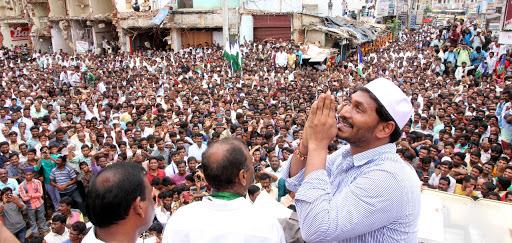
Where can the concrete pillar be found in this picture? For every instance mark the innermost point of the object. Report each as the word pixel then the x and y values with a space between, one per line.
pixel 4 29
pixel 175 39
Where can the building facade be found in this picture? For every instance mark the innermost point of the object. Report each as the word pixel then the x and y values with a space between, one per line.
pixel 14 24
pixel 78 26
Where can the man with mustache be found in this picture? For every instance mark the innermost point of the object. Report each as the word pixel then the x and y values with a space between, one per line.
pixel 363 192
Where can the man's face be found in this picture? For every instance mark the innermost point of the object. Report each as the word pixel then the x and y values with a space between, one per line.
pixel 153 164
pixel 423 153
pixel 15 160
pixel 501 164
pixel 425 166
pixel 57 228
pixel 475 172
pixel 192 165
pixel 508 174
pixel 445 170
pixel 253 197
pixel 64 208
pixel 167 203
pixel 265 183
pixel 274 163
pixel 198 140
pixel 84 168
pixel 474 159
pixel 4 149
pixel 443 185
pixel 160 145
pixel 181 168
pixel 3 174
pixel 358 120
pixel 75 236
pixel 470 184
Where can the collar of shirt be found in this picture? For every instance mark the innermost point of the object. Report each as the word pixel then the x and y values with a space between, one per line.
pixel 366 156
pixel 91 237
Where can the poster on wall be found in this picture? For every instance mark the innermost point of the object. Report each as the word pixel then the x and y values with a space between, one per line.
pixel 81 47
pixel 19 32
pixel 507 21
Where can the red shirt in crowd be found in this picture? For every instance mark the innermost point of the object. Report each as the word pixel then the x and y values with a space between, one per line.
pixel 159 173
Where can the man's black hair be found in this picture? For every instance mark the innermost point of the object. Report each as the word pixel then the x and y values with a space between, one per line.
pixel 79 227
pixel 253 189
pixel 264 176
pixel 66 200
pixel 166 181
pixel 190 178
pixel 112 192
pixel 59 218
pixel 156 182
pixel 469 178
pixel 156 227
pixel 221 172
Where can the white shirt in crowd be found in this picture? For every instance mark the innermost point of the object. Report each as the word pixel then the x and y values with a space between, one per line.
pixel 196 151
pixel 434 181
pixel 56 238
pixel 222 221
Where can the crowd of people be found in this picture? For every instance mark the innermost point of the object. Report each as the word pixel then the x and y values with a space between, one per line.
pixel 65 118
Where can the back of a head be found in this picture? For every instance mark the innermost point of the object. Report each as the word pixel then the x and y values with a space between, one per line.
pixel 253 189
pixel 112 192
pixel 223 161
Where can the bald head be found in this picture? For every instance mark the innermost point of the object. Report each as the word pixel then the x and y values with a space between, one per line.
pixel 223 161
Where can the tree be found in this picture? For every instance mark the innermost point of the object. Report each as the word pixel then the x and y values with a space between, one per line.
pixel 427 10
pixel 394 25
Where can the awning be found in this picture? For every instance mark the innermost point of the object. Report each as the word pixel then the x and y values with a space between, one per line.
pixel 316 54
pixel 356 32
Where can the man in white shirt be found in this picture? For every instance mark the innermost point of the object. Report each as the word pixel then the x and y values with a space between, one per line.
pixel 59 231
pixel 281 58
pixel 444 168
pixel 226 215
pixel 196 150
pixel 462 71
pixel 163 212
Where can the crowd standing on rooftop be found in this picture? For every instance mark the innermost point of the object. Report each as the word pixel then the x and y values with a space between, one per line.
pixel 65 118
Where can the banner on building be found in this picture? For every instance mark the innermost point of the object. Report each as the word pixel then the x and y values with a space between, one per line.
pixel 160 17
pixel 19 32
pixel 82 47
pixel 507 21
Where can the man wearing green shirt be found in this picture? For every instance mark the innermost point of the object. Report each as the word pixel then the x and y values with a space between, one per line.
pixel 47 163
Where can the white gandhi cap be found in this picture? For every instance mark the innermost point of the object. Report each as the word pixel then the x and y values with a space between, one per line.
pixel 394 100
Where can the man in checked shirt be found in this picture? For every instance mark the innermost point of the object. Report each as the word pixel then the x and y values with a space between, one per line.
pixel 363 192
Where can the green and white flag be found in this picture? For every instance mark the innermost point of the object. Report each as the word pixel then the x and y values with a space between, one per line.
pixel 233 56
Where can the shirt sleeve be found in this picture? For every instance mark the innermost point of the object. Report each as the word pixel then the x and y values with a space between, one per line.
pixel 292 183
pixel 52 175
pixel 368 203
pixel 22 193
pixel 72 173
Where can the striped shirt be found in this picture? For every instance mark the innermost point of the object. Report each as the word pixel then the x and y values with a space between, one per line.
pixel 31 193
pixel 373 196
pixel 63 176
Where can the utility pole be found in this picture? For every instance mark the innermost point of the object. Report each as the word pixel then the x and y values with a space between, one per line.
pixel 329 7
pixel 225 20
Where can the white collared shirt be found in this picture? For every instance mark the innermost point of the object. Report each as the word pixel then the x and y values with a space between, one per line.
pixel 227 221
pixel 91 237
